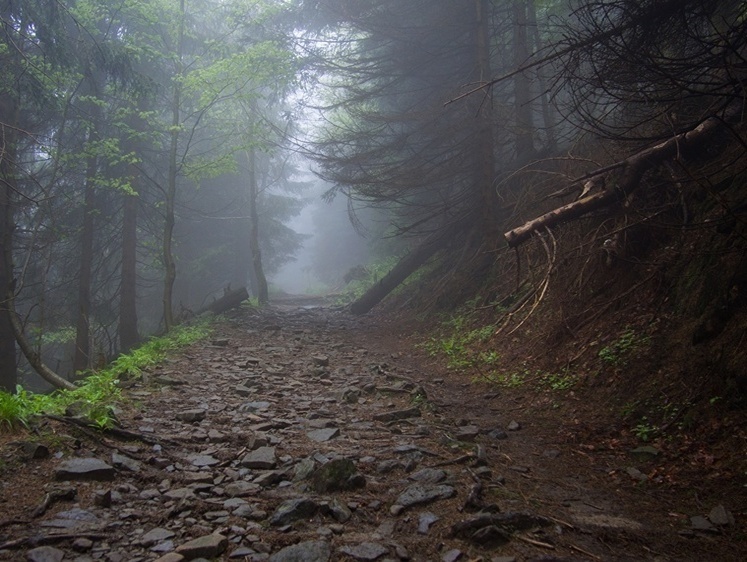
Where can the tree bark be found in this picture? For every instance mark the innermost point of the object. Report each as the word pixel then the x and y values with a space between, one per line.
pixel 9 118
pixel 32 356
pixel 262 288
pixel 231 299
pixel 169 263
pixel 128 332
pixel 632 170
pixel 404 268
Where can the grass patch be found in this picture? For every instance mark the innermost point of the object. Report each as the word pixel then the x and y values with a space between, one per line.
pixel 99 391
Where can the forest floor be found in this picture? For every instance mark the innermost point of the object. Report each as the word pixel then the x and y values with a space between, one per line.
pixel 299 424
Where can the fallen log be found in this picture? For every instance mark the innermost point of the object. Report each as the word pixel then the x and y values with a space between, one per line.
pixel 404 268
pixel 229 300
pixel 629 180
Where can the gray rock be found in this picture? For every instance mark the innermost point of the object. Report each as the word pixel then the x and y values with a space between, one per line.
pixel 413 412
pixel 171 557
pixel 124 462
pixel 84 469
pixel 208 546
pixel 309 551
pixel 203 460
pixel 700 523
pixel 293 510
pixel 498 434
pixel 303 469
pixel 420 494
pixel 45 554
pixel 322 435
pixel 241 489
pixel 262 458
pixel 34 450
pixel 503 559
pixel 467 433
pixel 336 475
pixel 513 426
pixel 721 517
pixel 425 521
pixel 339 511
pixel 194 415
pixel 156 535
pixel 452 555
pixel 254 406
pixel 367 551
pixel 428 476
pixel 645 453
pixel 320 360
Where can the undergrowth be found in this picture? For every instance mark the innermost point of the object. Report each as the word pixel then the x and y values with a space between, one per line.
pixel 100 390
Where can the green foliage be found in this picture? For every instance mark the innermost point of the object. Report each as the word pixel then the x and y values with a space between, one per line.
pixel 458 342
pixel 617 352
pixel 99 391
pixel 645 430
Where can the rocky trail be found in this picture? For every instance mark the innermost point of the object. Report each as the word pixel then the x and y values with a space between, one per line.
pixel 300 433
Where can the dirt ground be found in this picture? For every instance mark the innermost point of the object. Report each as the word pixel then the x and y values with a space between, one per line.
pixel 269 379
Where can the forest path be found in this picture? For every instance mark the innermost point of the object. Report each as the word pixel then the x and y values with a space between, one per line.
pixel 299 424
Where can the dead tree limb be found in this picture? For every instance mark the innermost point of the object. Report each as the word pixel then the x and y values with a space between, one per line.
pixel 229 300
pixel 629 180
pixel 32 356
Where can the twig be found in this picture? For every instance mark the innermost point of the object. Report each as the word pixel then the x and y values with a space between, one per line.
pixel 535 542
pixel 582 551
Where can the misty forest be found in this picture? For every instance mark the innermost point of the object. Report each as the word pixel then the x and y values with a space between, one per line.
pixel 310 280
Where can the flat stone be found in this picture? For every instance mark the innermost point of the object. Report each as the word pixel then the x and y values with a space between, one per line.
pixel 208 546
pixel 193 415
pixel 645 453
pixel 721 517
pixel 452 555
pixel 34 450
pixel 171 557
pixel 700 523
pixel 419 494
pixel 124 462
pixel 241 489
pixel 293 510
pixel 467 433
pixel 428 476
pixel 324 434
pixel 367 551
pixel 309 551
pixel 84 469
pixel 202 460
pixel 262 458
pixel 256 406
pixel 413 412
pixel 45 554
pixel 156 535
pixel 425 521
pixel 513 425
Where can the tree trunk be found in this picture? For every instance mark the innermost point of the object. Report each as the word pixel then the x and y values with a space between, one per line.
pixel 547 112
pixel 9 118
pixel 169 263
pixel 522 93
pixel 231 299
pixel 262 289
pixel 81 360
pixel 128 332
pixel 404 268
pixel 486 145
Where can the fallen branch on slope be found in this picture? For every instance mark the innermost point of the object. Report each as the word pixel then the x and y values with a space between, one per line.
pixel 632 171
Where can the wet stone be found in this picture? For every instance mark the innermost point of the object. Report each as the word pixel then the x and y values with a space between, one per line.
pixel 419 494
pixel 194 415
pixel 262 458
pixel 309 551
pixel 45 554
pixel 467 433
pixel 367 551
pixel 513 425
pixel 208 546
pixel 155 536
pixel 336 475
pixel 124 462
pixel 452 555
pixel 322 435
pixel 241 489
pixel 293 510
pixel 413 412
pixel 428 476
pixel 84 469
pixel 425 521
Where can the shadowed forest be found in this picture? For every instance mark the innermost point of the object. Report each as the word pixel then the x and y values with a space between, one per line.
pixel 542 202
